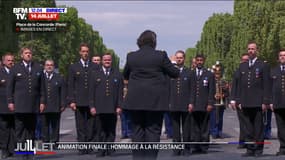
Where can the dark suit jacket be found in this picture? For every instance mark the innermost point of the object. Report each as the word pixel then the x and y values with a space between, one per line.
pixel 106 92
pixel 146 71
pixel 203 90
pixel 253 84
pixel 234 86
pixel 278 89
pixel 4 76
pixel 78 83
pixel 26 90
pixel 180 91
pixel 55 93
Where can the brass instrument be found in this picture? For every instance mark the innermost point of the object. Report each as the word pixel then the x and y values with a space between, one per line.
pixel 125 89
pixel 219 96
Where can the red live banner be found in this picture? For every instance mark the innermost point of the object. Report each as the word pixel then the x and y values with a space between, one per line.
pixel 43 16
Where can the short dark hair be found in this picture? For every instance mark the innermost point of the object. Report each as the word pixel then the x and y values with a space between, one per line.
pixel 147 37
pixel 180 51
pixel 97 55
pixel 25 48
pixel 200 56
pixel 244 54
pixel 253 42
pixel 83 45
pixel 49 60
pixel 7 54
pixel 106 54
pixel 281 50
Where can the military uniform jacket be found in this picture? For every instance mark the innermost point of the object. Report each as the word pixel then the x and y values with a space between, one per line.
pixel 180 91
pixel 146 71
pixel 3 96
pixel 26 90
pixel 278 84
pixel 203 90
pixel 55 93
pixel 78 83
pixel 106 91
pixel 234 86
pixel 253 84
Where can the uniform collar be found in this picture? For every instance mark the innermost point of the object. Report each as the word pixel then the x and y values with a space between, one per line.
pixel 7 69
pixel 49 76
pixel 253 60
pixel 83 62
pixel 25 63
pixel 181 68
pixel 281 66
pixel 104 69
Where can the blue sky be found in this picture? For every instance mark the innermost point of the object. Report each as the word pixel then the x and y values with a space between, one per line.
pixel 178 24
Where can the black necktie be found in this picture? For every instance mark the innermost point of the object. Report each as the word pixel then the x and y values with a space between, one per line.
pixel 250 63
pixel 107 72
pixel 199 73
pixel 48 76
pixel 283 68
pixel 85 65
pixel 28 68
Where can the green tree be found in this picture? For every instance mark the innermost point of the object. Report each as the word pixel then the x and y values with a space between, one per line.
pixel 190 54
pixel 225 36
pixel 8 38
pixel 216 38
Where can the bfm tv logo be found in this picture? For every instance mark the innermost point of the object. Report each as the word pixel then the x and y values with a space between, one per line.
pixel 38 149
pixel 38 13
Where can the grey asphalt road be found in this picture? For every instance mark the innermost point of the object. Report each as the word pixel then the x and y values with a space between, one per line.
pixel 216 152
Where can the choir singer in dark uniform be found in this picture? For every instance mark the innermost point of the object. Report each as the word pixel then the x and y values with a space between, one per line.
pixel 232 104
pixel 26 96
pixel 201 104
pixel 253 96
pixel 7 121
pixel 105 98
pixel 278 103
pixel 179 100
pixel 78 97
pixel 146 71
pixel 55 103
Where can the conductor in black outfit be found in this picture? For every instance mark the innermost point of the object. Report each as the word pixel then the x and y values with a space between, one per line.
pixel 147 96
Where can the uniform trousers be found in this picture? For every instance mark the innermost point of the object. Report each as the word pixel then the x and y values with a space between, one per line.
pixel 200 129
pixel 181 128
pixel 280 121
pixel 7 133
pixel 254 128
pixel 50 127
pixel 106 129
